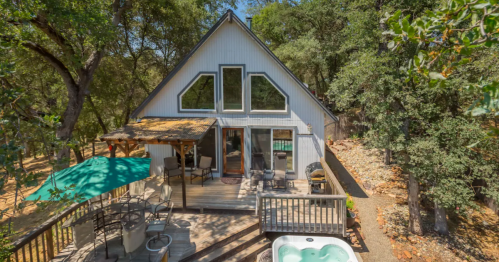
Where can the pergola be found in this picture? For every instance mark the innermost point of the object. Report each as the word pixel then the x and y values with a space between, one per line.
pixel 181 133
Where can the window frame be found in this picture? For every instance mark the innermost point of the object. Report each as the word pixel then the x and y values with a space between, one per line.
pixel 195 149
pixel 243 95
pixel 274 84
pixel 293 129
pixel 189 85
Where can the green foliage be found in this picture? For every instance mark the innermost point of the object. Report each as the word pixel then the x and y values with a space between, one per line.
pixel 448 40
pixel 5 244
pixel 306 36
pixel 350 204
pixel 441 159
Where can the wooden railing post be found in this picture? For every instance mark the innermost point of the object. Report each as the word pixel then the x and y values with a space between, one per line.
pixel 259 211
pixel 50 243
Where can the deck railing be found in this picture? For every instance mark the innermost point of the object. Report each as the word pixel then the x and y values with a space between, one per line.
pixel 48 239
pixel 305 213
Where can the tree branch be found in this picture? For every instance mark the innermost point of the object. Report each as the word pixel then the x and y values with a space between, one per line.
pixel 41 23
pixel 56 63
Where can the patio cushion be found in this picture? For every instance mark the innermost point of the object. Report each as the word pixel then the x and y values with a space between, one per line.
pixel 318 178
pixel 156 226
pixel 205 162
pixel 174 172
pixel 157 208
pixel 197 172
pixel 279 175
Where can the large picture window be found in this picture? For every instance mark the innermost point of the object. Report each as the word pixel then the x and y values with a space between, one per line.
pixel 265 96
pixel 206 147
pixel 200 95
pixel 232 85
pixel 270 141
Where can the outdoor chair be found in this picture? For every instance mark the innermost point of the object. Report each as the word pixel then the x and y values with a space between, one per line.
pixel 171 168
pixel 280 171
pixel 99 201
pixel 257 169
pixel 136 192
pixel 157 227
pixel 164 201
pixel 203 170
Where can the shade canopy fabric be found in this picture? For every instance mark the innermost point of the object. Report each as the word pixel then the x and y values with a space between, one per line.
pixel 95 176
pixel 163 129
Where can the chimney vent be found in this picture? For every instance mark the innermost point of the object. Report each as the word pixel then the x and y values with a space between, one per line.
pixel 248 21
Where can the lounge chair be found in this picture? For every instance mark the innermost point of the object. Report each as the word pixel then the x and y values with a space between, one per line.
pixel 171 168
pixel 257 169
pixel 280 171
pixel 163 201
pixel 203 170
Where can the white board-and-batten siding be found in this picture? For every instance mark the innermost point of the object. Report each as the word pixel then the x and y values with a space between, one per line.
pixel 231 45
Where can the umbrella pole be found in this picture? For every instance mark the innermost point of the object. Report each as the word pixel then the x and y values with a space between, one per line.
pixel 104 229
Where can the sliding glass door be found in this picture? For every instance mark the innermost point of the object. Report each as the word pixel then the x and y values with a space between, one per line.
pixel 272 140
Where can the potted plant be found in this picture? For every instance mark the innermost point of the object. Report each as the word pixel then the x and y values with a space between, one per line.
pixel 329 141
pixel 350 214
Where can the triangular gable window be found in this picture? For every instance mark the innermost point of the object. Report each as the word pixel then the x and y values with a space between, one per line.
pixel 199 95
pixel 265 96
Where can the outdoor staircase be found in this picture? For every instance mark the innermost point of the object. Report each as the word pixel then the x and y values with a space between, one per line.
pixel 242 246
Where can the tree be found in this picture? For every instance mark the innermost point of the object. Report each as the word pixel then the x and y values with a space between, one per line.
pixel 449 39
pixel 71 37
pixel 306 36
pixel 443 161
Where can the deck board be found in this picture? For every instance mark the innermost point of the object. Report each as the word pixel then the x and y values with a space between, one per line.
pixel 190 232
pixel 217 195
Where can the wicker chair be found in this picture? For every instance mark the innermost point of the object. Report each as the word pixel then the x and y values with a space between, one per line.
pixel 280 171
pixel 204 169
pixel 171 168
pixel 257 169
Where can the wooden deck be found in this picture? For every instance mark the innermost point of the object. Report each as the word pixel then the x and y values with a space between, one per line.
pixel 190 232
pixel 217 195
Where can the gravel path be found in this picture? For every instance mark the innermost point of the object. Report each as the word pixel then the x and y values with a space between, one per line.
pixel 376 246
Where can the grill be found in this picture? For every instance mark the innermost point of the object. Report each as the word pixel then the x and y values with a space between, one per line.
pixel 315 177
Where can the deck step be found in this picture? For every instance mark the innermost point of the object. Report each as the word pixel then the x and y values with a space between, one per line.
pixel 232 248
pixel 249 230
pixel 250 254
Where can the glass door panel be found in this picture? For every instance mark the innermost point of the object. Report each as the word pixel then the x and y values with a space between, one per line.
pixel 233 150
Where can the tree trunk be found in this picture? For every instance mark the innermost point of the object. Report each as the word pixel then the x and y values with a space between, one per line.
pixel 415 223
pixel 79 156
pixel 441 220
pixel 388 155
pixel 93 147
pixel 27 149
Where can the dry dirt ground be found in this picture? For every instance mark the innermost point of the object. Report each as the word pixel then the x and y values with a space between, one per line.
pixel 31 216
pixel 473 237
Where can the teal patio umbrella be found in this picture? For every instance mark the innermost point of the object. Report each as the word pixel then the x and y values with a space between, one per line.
pixel 95 176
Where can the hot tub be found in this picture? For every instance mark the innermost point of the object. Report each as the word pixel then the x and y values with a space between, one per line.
pixel 311 249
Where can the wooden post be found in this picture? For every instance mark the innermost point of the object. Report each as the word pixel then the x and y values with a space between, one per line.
pixel 50 243
pixel 127 150
pixel 182 161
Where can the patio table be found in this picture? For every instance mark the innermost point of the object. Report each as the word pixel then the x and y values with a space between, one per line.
pixel 116 216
